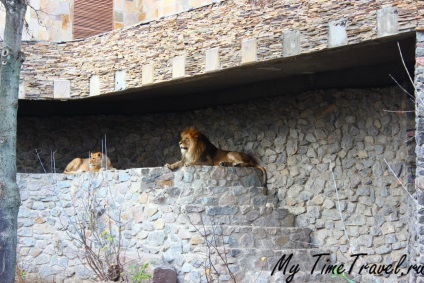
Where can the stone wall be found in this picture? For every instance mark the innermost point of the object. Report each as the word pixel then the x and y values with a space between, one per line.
pixel 417 208
pixel 303 141
pixel 231 33
pixel 163 217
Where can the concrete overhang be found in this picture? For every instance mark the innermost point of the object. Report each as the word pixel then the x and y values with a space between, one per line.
pixel 362 65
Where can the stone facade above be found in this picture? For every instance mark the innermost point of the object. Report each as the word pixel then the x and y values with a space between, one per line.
pixel 273 31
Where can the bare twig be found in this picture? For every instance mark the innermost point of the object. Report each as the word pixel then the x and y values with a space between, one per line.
pixel 412 97
pixel 404 65
pixel 39 159
pixel 399 111
pixel 212 246
pixel 338 203
pixel 53 162
pixel 399 181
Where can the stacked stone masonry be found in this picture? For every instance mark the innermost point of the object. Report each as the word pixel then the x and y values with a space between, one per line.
pixel 417 209
pixel 164 216
pixel 147 51
pixel 302 141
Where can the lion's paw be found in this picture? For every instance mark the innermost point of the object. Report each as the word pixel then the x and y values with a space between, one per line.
pixel 224 164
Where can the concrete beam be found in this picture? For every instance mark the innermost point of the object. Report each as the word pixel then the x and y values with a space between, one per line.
pixel 94 85
pixel 387 21
pixel 178 67
pixel 213 62
pixel 147 74
pixel 291 43
pixel 61 89
pixel 120 77
pixel 337 35
pixel 248 50
pixel 21 94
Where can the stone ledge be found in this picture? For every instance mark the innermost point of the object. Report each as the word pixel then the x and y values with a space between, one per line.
pixel 191 176
pixel 260 238
pixel 243 215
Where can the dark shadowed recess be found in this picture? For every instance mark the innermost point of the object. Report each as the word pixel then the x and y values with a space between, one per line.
pixel 362 65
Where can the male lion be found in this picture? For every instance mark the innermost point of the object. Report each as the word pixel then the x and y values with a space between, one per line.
pixel 196 149
pixel 95 163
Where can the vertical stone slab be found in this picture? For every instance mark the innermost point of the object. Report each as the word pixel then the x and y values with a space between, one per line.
pixel 178 67
pixel 167 7
pixel 291 43
pixel 147 74
pixel 34 27
pixel 120 77
pixel 387 21
pixel 131 18
pixel 94 85
pixel 248 50
pixel 119 5
pixel 61 89
pixel 21 94
pixel 213 62
pixel 337 35
pixel 183 5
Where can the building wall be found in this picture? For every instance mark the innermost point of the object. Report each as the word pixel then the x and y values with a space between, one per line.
pixel 53 20
pixel 303 141
pixel 175 46
pixel 50 20
pixel 130 12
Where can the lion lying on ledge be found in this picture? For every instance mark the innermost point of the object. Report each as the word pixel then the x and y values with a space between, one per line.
pixel 196 149
pixel 95 163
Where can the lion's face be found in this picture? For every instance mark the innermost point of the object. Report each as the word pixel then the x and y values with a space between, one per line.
pixel 188 139
pixel 95 159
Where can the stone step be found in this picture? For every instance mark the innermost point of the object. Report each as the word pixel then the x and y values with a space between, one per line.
pixel 222 195
pixel 208 176
pixel 239 215
pixel 239 238
pixel 302 254
pixel 298 277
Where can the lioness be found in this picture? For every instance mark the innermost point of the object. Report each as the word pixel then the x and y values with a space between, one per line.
pixel 196 149
pixel 96 162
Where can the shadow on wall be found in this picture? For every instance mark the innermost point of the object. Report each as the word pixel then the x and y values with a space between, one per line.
pixel 308 128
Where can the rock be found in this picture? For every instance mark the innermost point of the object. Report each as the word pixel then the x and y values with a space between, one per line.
pixel 221 210
pixel 123 176
pixel 197 239
pixel 164 275
pixel 156 238
pixel 194 208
